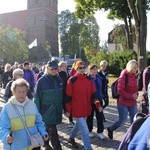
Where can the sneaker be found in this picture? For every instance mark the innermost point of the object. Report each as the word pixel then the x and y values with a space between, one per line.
pixel 101 136
pixel 91 134
pixel 71 124
pixel 110 133
pixel 73 143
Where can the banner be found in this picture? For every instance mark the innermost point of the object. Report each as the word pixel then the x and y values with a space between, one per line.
pixel 34 43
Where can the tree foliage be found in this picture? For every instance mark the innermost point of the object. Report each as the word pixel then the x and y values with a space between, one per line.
pixel 41 53
pixel 117 60
pixel 13 46
pixel 125 10
pixel 78 36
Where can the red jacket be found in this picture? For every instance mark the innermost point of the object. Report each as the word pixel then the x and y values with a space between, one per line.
pixel 80 94
pixel 127 90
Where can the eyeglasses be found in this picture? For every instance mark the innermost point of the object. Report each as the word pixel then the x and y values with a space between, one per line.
pixel 53 68
pixel 81 68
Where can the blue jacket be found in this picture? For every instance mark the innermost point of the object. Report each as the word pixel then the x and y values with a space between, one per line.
pixel 10 122
pixel 140 139
pixel 98 85
pixel 29 77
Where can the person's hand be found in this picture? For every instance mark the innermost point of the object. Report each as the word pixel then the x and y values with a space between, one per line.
pixel 46 137
pixel 100 109
pixel 135 95
pixel 67 114
pixel 10 138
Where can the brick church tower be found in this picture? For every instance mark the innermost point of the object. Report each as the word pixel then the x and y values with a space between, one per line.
pixel 42 23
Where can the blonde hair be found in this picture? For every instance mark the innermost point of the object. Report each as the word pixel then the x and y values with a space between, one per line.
pixel 61 63
pixel 19 82
pixel 132 63
pixel 7 67
pixel 103 62
pixel 17 71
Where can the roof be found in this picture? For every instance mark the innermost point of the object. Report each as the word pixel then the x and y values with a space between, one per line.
pixel 110 40
pixel 15 19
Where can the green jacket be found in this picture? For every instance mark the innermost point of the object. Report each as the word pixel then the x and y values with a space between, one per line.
pixel 48 98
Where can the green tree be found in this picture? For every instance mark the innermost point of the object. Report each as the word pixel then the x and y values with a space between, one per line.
pixel 137 12
pixel 13 46
pixel 78 35
pixel 40 53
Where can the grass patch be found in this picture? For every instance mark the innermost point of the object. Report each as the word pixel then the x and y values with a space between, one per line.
pixel 112 78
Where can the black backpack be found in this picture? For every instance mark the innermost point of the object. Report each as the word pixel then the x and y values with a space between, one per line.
pixel 114 90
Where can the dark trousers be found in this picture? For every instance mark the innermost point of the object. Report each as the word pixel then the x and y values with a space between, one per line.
pixel 99 118
pixel 53 136
pixel 70 118
pixel 106 100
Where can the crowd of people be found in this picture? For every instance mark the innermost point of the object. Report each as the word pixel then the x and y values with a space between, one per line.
pixel 43 93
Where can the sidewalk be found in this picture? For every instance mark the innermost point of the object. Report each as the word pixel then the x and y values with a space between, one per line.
pixel 111 115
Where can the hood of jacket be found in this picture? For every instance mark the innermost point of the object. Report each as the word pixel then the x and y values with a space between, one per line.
pixel 13 100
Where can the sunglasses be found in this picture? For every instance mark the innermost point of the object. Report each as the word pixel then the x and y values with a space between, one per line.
pixel 81 68
pixel 53 68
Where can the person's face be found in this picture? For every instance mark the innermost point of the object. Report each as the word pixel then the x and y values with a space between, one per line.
pixel 63 67
pixel 134 70
pixel 18 76
pixel 27 67
pixel 52 71
pixel 81 69
pixel 20 93
pixel 103 67
pixel 93 71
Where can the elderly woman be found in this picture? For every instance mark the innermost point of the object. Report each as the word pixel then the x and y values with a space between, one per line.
pixel 12 131
pixel 17 73
pixel 128 93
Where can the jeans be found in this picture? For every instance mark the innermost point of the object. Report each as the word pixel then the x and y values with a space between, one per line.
pixel 123 114
pixel 82 126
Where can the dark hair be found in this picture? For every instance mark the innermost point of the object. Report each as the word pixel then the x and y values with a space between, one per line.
pixel 92 66
pixel 26 63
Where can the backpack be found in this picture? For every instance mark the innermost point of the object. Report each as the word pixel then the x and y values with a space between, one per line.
pixel 135 126
pixel 114 90
pixel 145 103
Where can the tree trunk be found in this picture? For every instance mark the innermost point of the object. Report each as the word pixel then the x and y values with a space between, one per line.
pixel 139 15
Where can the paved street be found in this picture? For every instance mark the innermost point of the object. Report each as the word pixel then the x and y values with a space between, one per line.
pixel 111 115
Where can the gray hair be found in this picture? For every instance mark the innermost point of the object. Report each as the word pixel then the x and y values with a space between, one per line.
pixel 19 82
pixel 17 71
pixel 61 63
pixel 103 62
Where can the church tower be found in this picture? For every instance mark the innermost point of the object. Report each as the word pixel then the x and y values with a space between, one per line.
pixel 42 23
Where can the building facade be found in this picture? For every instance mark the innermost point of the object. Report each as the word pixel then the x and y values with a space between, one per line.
pixel 40 21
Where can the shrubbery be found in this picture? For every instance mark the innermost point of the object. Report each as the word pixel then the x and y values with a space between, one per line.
pixel 117 60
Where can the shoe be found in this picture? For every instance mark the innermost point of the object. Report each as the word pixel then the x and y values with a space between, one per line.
pixel 101 136
pixel 71 124
pixel 110 133
pixel 73 143
pixel 91 134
